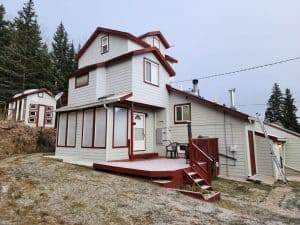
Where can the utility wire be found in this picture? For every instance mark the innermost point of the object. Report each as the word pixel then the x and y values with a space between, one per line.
pixel 241 70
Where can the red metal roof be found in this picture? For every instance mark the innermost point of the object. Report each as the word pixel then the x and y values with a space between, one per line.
pixel 210 104
pixel 159 35
pixel 157 54
pixel 110 31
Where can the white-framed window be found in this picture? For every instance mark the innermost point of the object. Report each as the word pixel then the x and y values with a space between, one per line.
pixel 87 129
pixel 62 129
pixel 100 128
pixel 94 128
pixel 41 94
pixel 104 44
pixel 151 72
pixel 71 129
pixel 67 124
pixel 120 132
pixel 182 113
pixel 81 81
pixel 156 42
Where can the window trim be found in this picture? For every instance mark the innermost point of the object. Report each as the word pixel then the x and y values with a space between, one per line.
pixel 105 36
pixel 66 135
pixel 40 94
pixel 94 128
pixel 144 71
pixel 83 85
pixel 113 136
pixel 182 121
pixel 156 38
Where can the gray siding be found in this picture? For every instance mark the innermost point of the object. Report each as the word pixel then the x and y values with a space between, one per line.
pixel 231 134
pixel 117 46
pixel 118 78
pixel 264 164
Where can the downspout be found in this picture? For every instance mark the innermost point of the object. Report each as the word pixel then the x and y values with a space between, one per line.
pixel 225 142
pixel 130 150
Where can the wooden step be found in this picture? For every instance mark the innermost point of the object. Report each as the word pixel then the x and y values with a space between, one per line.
pixel 161 181
pixel 192 174
pixel 205 187
pixel 198 180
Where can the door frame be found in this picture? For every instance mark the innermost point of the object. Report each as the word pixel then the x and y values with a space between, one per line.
pixel 253 167
pixel 145 116
pixel 38 115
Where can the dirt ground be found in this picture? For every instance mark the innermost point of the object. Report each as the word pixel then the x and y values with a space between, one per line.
pixel 37 190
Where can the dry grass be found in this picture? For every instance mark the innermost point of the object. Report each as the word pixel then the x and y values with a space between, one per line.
pixel 16 138
pixel 44 191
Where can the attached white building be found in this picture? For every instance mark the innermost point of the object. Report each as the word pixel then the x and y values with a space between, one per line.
pixel 34 107
pixel 121 106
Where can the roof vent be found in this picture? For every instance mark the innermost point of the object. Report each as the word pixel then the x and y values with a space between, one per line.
pixel 232 98
pixel 195 89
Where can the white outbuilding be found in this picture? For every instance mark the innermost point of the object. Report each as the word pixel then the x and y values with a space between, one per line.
pixel 34 107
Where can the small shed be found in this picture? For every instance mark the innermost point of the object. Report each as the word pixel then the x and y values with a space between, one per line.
pixel 34 107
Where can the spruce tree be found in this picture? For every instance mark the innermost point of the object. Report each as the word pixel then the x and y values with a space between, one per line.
pixel 5 37
pixel 289 120
pixel 63 57
pixel 274 106
pixel 27 62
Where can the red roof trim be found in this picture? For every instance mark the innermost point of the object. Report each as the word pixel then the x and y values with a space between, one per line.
pixel 157 54
pixel 109 31
pixel 158 34
pixel 171 59
pixel 32 93
pixel 210 104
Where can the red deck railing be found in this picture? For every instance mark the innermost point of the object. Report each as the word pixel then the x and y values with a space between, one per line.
pixel 201 162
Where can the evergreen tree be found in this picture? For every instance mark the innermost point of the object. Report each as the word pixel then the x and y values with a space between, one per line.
pixel 4 29
pixel 63 58
pixel 274 109
pixel 26 63
pixel 289 120
pixel 5 36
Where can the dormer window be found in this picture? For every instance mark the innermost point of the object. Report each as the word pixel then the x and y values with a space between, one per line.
pixel 81 81
pixel 156 42
pixel 104 44
pixel 151 72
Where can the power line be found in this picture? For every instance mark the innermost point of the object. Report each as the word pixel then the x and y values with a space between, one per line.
pixel 241 70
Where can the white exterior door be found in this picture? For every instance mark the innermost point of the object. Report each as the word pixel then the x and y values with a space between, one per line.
pixel 139 132
pixel 41 119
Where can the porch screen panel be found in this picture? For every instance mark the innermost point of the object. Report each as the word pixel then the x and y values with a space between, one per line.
pixel 62 129
pixel 100 128
pixel 120 127
pixel 71 129
pixel 87 136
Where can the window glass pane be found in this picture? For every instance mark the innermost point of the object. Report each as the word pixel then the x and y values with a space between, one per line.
pixel 100 127
pixel 104 44
pixel 148 71
pixel 155 42
pixel 186 112
pixel 178 113
pixel 120 127
pixel 82 80
pixel 62 129
pixel 87 136
pixel 71 129
pixel 154 73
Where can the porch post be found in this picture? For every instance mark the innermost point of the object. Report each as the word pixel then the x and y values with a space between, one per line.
pixel 130 150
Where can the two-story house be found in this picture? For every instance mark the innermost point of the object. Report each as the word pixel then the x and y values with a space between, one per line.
pixel 121 105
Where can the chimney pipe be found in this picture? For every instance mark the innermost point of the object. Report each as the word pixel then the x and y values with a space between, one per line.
pixel 195 89
pixel 232 98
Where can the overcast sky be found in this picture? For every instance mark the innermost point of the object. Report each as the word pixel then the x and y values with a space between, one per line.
pixel 208 37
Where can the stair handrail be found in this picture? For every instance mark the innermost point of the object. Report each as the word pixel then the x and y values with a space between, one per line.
pixel 209 161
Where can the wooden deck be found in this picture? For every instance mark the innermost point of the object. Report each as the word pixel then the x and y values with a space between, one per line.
pixel 152 168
